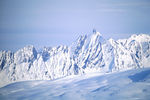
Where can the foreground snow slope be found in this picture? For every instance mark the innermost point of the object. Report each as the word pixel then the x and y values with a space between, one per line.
pixel 89 53
pixel 126 85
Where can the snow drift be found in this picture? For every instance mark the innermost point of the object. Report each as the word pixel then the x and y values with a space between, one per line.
pixel 126 85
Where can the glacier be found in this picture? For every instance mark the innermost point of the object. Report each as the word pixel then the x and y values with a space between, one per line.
pixel 88 54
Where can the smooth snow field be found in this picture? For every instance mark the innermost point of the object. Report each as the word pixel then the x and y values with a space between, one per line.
pixel 127 85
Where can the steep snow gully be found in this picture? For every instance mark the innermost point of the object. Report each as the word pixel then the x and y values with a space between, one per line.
pixel 90 53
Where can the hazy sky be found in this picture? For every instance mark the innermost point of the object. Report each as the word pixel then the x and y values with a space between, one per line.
pixel 55 22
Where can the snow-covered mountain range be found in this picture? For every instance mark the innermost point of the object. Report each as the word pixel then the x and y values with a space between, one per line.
pixel 90 53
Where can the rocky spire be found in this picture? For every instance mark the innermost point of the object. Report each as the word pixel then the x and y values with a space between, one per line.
pixel 94 30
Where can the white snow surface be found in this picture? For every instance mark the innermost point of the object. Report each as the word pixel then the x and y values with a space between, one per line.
pixel 88 54
pixel 125 85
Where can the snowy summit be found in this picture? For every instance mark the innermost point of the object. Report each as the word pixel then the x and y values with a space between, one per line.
pixel 89 54
pixel 91 59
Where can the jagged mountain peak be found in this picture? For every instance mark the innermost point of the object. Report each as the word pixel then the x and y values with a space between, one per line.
pixel 89 53
pixel 97 33
pixel 26 54
pixel 140 37
pixel 27 48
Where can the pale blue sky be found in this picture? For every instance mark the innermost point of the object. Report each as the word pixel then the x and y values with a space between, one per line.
pixel 59 22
